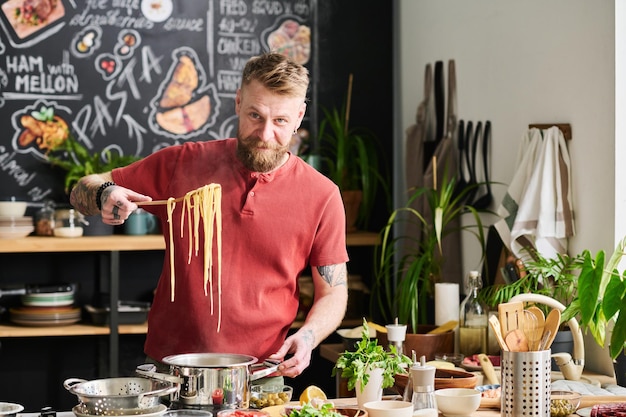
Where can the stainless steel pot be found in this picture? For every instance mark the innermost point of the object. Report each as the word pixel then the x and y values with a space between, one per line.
pixel 119 396
pixel 212 380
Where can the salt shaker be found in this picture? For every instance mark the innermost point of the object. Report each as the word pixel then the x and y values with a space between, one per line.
pixel 423 379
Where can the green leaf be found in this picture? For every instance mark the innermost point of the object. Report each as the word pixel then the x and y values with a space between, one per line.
pixel 618 336
pixel 613 295
pixel 589 285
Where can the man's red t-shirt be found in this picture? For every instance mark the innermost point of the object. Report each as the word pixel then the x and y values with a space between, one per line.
pixel 273 226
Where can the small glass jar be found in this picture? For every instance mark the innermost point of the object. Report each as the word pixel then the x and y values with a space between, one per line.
pixel 44 219
pixel 68 223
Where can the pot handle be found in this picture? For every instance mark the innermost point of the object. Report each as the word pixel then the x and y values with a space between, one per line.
pixel 71 382
pixel 149 370
pixel 162 392
pixel 267 367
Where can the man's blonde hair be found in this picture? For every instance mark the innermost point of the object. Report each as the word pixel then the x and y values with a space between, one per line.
pixel 278 74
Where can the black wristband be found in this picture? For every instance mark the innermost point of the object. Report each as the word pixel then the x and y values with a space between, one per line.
pixel 99 193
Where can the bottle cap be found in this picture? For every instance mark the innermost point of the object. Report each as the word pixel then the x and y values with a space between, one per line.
pixel 423 376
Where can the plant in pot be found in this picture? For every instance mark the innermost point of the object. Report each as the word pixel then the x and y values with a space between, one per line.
pixel 554 277
pixel 351 159
pixel 370 368
pixel 599 300
pixel 407 266
pixel 77 161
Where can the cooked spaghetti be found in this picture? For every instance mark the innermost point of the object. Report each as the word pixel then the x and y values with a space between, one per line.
pixel 200 208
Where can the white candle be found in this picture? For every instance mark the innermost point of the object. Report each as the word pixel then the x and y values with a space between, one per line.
pixel 446 302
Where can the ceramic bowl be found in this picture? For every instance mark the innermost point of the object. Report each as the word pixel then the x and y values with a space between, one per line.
pixel 457 401
pixel 13 208
pixel 350 337
pixel 444 378
pixel 389 408
pixel 10 409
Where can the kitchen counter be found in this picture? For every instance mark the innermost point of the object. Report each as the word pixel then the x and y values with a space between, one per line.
pixel 331 353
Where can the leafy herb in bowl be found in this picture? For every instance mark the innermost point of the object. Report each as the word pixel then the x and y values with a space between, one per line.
pixel 356 366
pixel 308 410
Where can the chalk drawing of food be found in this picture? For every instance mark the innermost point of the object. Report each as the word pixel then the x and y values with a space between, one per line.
pixel 42 128
pixel 292 40
pixel 182 110
pixel 30 16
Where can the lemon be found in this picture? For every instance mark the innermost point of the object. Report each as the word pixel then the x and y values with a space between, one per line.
pixel 312 394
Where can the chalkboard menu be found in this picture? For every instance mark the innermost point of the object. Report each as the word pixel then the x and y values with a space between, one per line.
pixel 128 76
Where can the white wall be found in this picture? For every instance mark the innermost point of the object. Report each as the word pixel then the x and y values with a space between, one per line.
pixel 521 62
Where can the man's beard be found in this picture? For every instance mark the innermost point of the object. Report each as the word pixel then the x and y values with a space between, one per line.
pixel 259 156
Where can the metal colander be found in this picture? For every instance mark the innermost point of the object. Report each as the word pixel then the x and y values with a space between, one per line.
pixel 119 396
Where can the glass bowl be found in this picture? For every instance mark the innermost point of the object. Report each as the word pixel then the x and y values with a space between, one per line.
pixel 262 396
pixel 564 403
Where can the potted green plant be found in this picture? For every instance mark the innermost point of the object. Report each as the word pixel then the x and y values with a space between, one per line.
pixel 406 266
pixel 555 277
pixel 359 366
pixel 351 159
pixel 600 298
pixel 77 161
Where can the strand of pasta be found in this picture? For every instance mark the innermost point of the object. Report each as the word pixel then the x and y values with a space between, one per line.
pixel 201 204
pixel 171 204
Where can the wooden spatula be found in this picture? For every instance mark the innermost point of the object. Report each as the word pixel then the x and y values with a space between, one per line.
pixel 497 330
pixel 512 323
pixel 553 321
pixel 511 316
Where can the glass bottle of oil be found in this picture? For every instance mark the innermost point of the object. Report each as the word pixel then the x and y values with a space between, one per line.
pixel 474 318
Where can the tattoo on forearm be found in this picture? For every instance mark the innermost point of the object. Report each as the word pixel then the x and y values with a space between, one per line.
pixel 309 338
pixel 82 199
pixel 334 275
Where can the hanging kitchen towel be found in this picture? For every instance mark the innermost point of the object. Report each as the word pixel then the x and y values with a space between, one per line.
pixel 537 209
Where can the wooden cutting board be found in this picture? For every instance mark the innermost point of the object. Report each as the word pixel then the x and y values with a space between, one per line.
pixel 586 401
pixel 591 400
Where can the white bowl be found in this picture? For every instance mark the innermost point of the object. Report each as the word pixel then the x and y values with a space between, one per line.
pixel 13 208
pixel 389 408
pixel 351 337
pixel 15 232
pixel 457 401
pixel 10 409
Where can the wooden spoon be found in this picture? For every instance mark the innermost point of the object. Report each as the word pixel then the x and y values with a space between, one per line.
pixel 516 341
pixel 553 321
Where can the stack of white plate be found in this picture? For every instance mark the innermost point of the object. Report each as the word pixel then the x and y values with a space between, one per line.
pixel 48 299
pixel 16 227
pixel 45 316
pixel 46 309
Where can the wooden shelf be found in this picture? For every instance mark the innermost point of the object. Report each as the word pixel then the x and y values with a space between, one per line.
pixel 124 243
pixel 8 330
pixel 362 239
pixel 35 244
pixel 111 246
